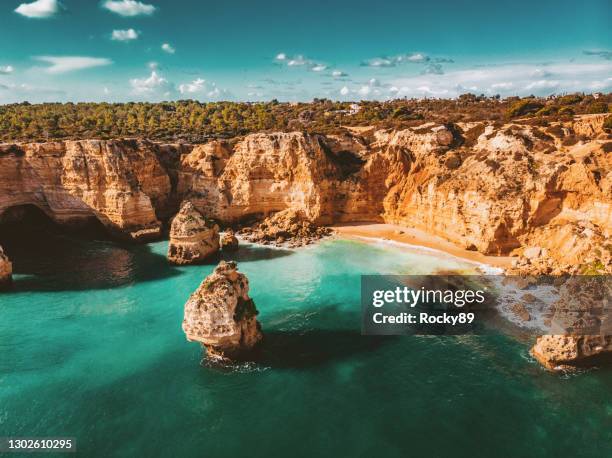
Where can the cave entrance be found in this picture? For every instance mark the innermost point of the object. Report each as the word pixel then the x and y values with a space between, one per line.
pixel 29 221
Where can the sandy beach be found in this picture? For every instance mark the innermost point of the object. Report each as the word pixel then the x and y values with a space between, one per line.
pixel 418 238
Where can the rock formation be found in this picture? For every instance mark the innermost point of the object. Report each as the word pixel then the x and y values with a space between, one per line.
pixel 121 183
pixel 6 270
pixel 495 189
pixel 288 227
pixel 229 241
pixel 193 239
pixel 542 193
pixel 581 322
pixel 566 353
pixel 221 315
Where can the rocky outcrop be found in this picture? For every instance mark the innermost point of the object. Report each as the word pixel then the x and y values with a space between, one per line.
pixel 493 189
pixel 581 330
pixel 567 353
pixel 543 194
pixel 229 241
pixel 221 315
pixel 286 228
pixel 6 270
pixel 117 182
pixel 193 239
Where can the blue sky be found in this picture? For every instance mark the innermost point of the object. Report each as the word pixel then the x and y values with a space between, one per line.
pixel 121 50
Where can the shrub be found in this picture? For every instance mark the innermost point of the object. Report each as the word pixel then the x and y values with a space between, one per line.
pixel 570 99
pixel 523 107
pixel 597 107
pixel 547 110
pixel 608 123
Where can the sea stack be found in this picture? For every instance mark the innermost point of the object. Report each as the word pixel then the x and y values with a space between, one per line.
pixel 580 329
pixel 229 242
pixel 221 315
pixel 193 239
pixel 6 270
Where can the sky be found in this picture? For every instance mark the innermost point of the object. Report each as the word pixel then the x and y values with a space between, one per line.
pixel 154 50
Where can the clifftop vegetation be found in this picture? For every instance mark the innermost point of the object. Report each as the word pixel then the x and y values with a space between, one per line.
pixel 194 121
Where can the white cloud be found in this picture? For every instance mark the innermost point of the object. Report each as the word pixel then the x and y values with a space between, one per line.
pixel 508 79
pixel 365 90
pixel 124 35
pixel 392 61
pixel 6 70
pixel 417 57
pixel 150 85
pixel 502 86
pixel 542 84
pixel 166 47
pixel 129 8
pixel 344 91
pixel 205 89
pixel 38 9
pixel 539 73
pixel 63 64
pixel 338 74
pixel 298 61
pixel 195 86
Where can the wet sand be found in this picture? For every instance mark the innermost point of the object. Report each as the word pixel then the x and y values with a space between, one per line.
pixel 417 238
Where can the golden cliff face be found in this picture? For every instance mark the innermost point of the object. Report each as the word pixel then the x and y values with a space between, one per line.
pixel 498 190
pixel 119 183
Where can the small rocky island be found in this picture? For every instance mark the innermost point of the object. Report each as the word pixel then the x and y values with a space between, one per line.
pixel 229 241
pixel 193 239
pixel 221 315
pixel 6 270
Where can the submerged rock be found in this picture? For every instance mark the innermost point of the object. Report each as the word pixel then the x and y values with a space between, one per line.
pixel 6 270
pixel 221 315
pixel 192 238
pixel 229 242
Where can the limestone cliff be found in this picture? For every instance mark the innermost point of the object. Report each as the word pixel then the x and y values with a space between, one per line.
pixel 193 239
pixel 221 315
pixel 6 270
pixel 120 183
pixel 500 189
pixel 495 189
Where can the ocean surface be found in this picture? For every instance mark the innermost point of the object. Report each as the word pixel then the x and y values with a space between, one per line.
pixel 91 347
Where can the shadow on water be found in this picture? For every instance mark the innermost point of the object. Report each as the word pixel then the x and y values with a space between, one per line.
pixel 46 258
pixel 249 253
pixel 304 349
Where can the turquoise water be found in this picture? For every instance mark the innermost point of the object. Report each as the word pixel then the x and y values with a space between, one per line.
pixel 91 346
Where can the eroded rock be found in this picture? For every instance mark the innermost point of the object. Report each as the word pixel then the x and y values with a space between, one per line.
pixel 221 315
pixel 288 227
pixel 566 353
pixel 229 241
pixel 193 239
pixel 6 270
pixel 581 334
